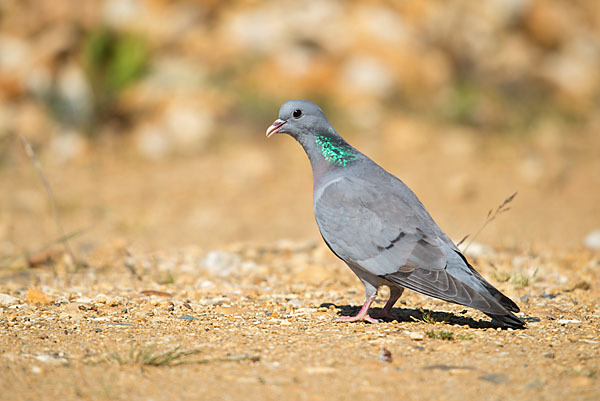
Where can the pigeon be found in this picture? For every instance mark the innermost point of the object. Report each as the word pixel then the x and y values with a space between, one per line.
pixel 373 222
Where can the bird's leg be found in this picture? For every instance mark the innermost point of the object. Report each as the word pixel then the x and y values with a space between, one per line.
pixel 395 293
pixel 363 315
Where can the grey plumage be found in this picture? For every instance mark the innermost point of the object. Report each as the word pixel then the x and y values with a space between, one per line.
pixel 372 221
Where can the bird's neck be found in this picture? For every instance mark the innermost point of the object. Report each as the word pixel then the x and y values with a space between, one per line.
pixel 327 151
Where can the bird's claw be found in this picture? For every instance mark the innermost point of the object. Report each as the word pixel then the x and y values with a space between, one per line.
pixel 357 318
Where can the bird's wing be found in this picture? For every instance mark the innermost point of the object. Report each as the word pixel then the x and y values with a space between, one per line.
pixel 382 232
pixel 376 228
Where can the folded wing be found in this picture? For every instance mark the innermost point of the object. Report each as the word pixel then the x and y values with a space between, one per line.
pixel 388 235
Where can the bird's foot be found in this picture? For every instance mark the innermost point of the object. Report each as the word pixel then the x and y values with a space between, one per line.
pixel 357 318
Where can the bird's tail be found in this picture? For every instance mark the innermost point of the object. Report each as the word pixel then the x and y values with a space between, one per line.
pixel 502 299
pixel 508 320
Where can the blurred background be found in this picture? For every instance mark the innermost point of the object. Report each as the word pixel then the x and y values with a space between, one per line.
pixel 148 117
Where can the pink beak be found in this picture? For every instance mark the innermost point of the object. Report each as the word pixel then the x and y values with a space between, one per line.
pixel 275 127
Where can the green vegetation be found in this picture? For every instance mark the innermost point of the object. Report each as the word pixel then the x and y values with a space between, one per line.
pixel 112 61
pixel 440 335
pixel 168 278
pixel 434 317
pixel 500 276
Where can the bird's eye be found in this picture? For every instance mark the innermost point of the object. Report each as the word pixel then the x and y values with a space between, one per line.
pixel 297 113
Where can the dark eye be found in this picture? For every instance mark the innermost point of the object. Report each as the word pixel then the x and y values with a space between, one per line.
pixel 297 113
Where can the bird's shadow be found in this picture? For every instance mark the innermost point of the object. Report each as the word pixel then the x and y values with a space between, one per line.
pixel 419 315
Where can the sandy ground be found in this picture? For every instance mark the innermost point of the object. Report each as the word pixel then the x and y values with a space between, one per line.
pixel 258 325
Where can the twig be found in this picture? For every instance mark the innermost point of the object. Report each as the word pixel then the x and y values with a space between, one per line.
pixel 229 358
pixel 491 216
pixel 51 199
pixel 10 259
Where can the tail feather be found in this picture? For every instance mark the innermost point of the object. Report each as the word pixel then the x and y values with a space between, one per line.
pixel 500 297
pixel 508 320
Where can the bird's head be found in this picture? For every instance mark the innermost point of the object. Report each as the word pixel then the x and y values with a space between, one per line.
pixel 298 118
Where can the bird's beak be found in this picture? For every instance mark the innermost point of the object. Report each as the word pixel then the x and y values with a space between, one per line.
pixel 275 127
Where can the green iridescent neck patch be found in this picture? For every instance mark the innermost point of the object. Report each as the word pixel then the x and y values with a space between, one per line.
pixel 335 150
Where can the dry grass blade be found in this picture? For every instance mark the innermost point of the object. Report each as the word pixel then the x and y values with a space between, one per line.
pixel 148 355
pixel 432 317
pixel 462 240
pixel 51 198
pixel 6 261
pixel 491 216
pixel 504 205
pixel 228 358
pixel 240 357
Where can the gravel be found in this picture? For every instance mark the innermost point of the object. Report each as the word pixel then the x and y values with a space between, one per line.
pixel 263 331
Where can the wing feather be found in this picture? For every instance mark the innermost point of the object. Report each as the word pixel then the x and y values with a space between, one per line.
pixel 377 231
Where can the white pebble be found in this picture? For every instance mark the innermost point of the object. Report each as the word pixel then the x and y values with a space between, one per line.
pixel 6 300
pixel 592 240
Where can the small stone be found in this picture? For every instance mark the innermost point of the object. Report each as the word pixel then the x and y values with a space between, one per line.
pixel 592 240
pixel 101 299
pixel 568 321
pixel 385 355
pixel 581 285
pixel 45 257
pixel 83 300
pixel 6 300
pixel 229 310
pixel 295 303
pixel 51 358
pixel 120 324
pixel 319 370
pixel 35 296
pixel 221 263
pixel 534 384
pixel 156 293
pixel 414 335
pixel 114 302
pixel 495 378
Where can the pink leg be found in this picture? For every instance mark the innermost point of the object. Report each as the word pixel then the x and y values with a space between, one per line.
pixel 395 293
pixel 362 314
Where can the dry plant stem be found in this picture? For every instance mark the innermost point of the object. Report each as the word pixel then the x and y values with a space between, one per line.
pixel 491 216
pixel 462 240
pixel 51 199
